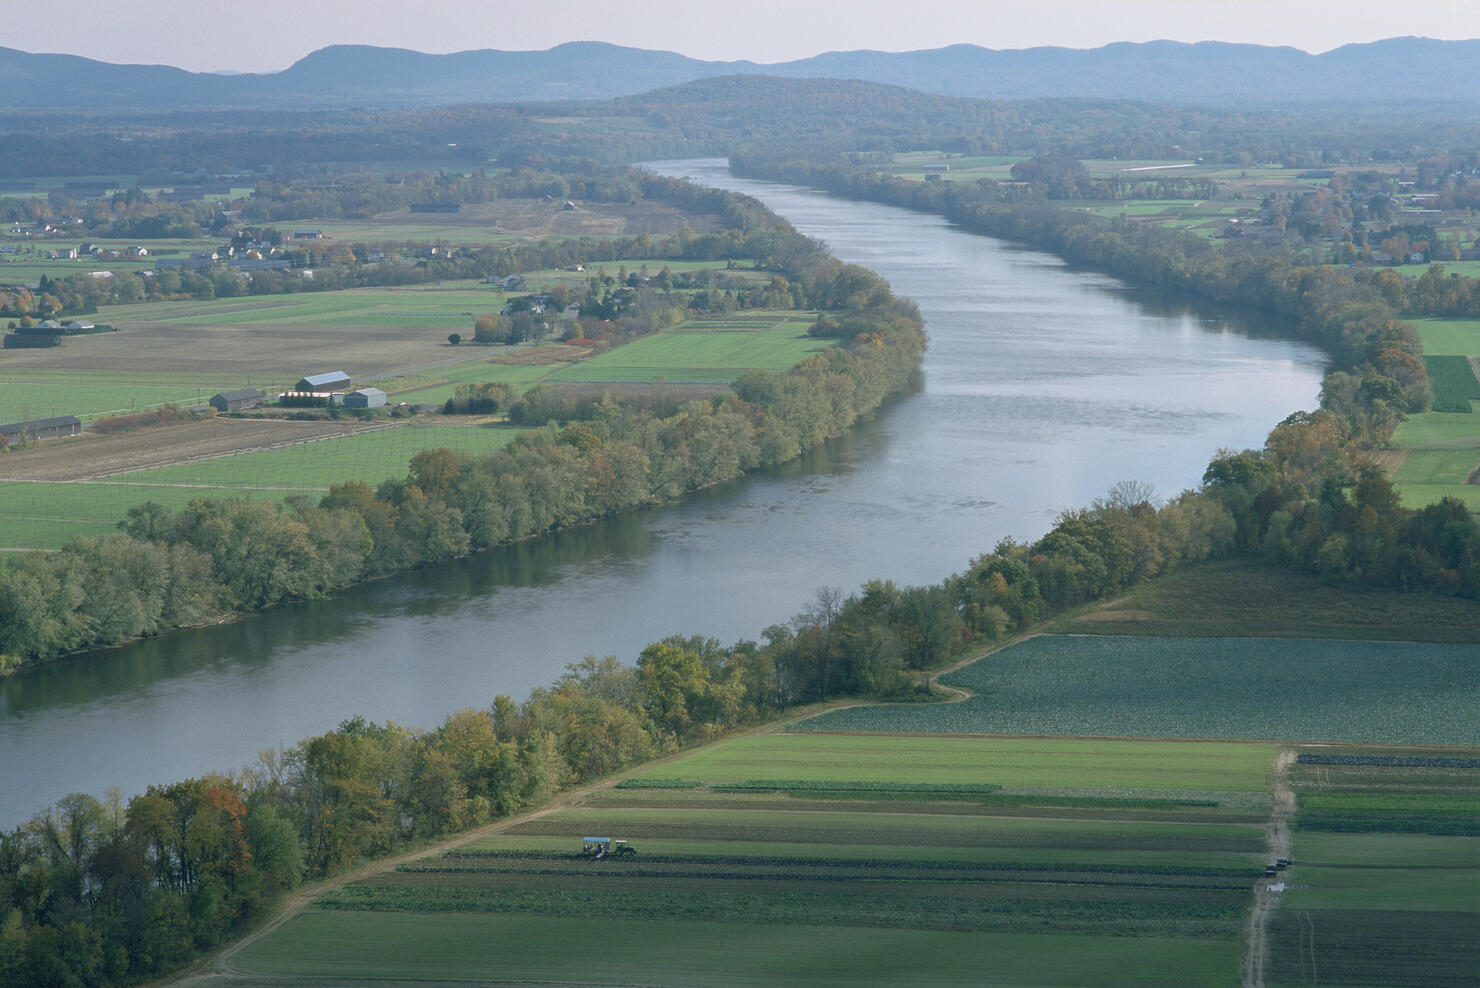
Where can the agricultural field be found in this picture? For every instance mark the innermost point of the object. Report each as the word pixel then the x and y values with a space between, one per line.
pixel 89 491
pixel 395 339
pixel 1257 688
pixel 1247 596
pixel 1453 382
pixel 1435 454
pixel 1385 884
pixel 810 859
pixel 707 349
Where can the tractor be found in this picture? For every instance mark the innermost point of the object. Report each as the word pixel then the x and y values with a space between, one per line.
pixel 600 847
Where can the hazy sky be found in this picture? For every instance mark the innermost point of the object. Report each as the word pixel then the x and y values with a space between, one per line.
pixel 268 35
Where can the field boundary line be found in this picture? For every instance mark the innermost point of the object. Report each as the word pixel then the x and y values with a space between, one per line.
pixel 1266 902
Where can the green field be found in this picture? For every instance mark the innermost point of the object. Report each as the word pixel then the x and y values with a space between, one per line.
pixel 1448 336
pixel 454 305
pixel 1453 382
pixel 1305 690
pixel 706 350
pixel 370 457
pixel 1382 891
pixel 792 885
pixel 1060 763
pixel 41 392
pixel 1443 445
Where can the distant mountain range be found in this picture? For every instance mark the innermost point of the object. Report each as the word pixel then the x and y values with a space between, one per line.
pixel 1395 71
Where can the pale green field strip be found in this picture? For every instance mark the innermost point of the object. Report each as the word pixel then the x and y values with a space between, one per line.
pixel 1061 762
pixel 347 947
pixel 1438 428
pixel 411 306
pixel 1270 689
pixel 1161 857
pixel 1417 495
pixel 1387 871
pixel 40 392
pixel 1448 336
pixel 720 354
pixel 45 515
pixel 1437 466
pixel 824 828
pixel 313 466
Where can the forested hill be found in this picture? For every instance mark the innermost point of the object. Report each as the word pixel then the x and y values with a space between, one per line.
pixel 1394 71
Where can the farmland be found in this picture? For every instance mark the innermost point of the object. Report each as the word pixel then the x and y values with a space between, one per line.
pixel 1247 596
pixel 714 350
pixel 1386 882
pixel 1272 689
pixel 182 352
pixel 1435 453
pixel 899 879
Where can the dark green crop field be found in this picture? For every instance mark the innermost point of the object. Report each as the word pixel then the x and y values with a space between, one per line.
pixel 1258 688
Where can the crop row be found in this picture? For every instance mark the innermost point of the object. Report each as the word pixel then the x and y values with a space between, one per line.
pixel 1453 382
pixel 509 861
pixel 1392 761
pixel 1114 911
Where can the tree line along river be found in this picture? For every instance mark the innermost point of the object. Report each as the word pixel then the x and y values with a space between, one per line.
pixel 1042 387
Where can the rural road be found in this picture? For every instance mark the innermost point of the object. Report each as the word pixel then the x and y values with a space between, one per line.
pixel 1256 947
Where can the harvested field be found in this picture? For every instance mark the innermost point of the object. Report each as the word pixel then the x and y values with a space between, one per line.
pixel 91 456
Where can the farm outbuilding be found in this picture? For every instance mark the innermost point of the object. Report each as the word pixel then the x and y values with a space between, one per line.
pixel 236 401
pixel 52 428
pixel 365 398
pixel 321 383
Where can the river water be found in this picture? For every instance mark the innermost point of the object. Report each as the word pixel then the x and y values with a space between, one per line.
pixel 1043 386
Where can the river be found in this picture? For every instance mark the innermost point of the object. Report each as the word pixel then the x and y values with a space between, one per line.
pixel 1043 386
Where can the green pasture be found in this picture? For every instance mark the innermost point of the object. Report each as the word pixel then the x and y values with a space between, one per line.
pixel 705 350
pixel 1437 466
pixel 1448 336
pixel 1079 764
pixel 341 947
pixel 454 306
pixel 1436 428
pixel 435 387
pixel 370 457
pixel 1311 690
pixel 45 515
pixel 28 392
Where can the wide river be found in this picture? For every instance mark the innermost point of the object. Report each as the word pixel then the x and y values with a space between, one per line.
pixel 1042 387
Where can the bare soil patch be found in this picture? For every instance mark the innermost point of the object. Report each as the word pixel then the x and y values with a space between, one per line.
pixel 1388 460
pixel 91 456
pixel 543 356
